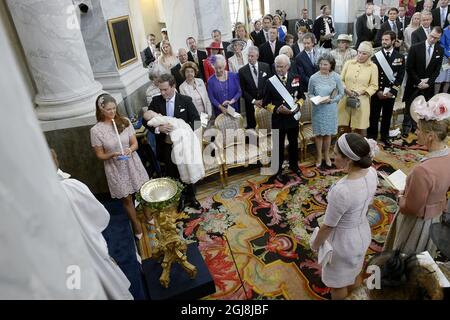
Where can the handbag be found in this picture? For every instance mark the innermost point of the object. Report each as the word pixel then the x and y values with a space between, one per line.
pixel 353 102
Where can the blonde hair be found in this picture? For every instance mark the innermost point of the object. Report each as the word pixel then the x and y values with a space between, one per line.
pixel 440 128
pixel 287 50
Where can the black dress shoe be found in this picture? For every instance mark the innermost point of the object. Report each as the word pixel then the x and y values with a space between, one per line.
pixel 195 204
pixel 387 142
pixel 279 176
pixel 297 172
pixel 181 205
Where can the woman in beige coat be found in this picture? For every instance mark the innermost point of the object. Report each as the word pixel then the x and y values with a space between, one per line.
pixel 195 88
pixel 360 77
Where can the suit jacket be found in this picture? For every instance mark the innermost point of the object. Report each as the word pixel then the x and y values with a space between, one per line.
pixel 387 27
pixel 362 32
pixel 248 87
pixel 296 49
pixel 148 57
pixel 265 52
pixel 397 63
pixel 382 19
pixel 184 109
pixel 418 36
pixel 407 21
pixel 201 55
pixel 273 100
pixel 437 17
pixel 225 45
pixel 415 67
pixel 308 23
pixel 179 79
pixel 419 5
pixel 305 68
pixel 319 30
pixel 255 36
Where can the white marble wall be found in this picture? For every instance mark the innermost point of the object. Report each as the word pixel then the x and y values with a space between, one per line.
pixel 196 18
pixel 40 237
pixel 119 82
pixel 55 52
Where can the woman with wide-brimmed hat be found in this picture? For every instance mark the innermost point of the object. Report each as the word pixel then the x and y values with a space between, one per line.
pixel 239 58
pixel 425 196
pixel 343 52
pixel 213 49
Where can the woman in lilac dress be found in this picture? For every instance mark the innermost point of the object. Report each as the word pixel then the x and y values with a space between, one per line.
pixel 223 87
pixel 125 177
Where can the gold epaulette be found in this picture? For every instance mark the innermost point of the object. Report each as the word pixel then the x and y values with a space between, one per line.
pixel 300 102
pixel 270 107
pixel 396 88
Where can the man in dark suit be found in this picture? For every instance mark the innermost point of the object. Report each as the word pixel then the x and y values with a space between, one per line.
pixel 175 71
pixel 365 26
pixel 255 34
pixel 440 14
pixel 306 60
pixel 324 33
pixel 391 25
pixel 427 4
pixel 149 52
pixel 172 104
pixel 382 17
pixel 423 65
pixel 196 56
pixel 304 21
pixel 269 50
pixel 253 77
pixel 264 34
pixel 404 20
pixel 283 118
pixel 391 70
pixel 421 34
pixel 217 37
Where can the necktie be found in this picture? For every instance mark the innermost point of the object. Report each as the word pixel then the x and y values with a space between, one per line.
pixel 311 57
pixel 429 53
pixel 388 55
pixel 194 55
pixel 284 79
pixel 169 108
pixel 394 27
pixel 442 18
pixel 255 76
pixel 272 46
pixel 266 35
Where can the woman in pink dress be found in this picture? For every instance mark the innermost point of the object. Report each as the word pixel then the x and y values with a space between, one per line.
pixel 125 177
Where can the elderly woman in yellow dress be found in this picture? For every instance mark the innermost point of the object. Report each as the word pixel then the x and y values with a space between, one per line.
pixel 360 77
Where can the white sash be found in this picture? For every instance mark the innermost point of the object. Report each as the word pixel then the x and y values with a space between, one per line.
pixel 281 89
pixel 385 66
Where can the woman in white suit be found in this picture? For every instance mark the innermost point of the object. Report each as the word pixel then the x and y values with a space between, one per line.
pixel 195 88
pixel 239 59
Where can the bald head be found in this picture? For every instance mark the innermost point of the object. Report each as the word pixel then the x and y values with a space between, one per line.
pixel 182 55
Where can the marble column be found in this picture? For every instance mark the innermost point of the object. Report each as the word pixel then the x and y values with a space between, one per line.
pixel 55 51
pixel 345 13
pixel 196 18
pixel 40 236
pixel 127 83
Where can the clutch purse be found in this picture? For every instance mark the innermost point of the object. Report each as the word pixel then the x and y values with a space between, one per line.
pixel 353 102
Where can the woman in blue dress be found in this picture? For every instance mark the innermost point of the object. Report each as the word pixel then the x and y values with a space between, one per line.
pixel 325 83
pixel 442 82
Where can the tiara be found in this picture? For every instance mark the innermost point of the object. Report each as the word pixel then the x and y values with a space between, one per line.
pixel 101 102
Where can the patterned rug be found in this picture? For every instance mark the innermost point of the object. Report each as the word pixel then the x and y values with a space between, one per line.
pixel 254 236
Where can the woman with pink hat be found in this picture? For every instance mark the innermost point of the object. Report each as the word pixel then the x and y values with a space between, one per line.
pixel 213 49
pixel 425 196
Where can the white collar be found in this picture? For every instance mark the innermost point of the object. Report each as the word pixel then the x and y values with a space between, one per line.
pixel 443 9
pixel 428 45
pixel 194 52
pixel 390 51
pixel 254 65
pixel 172 100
